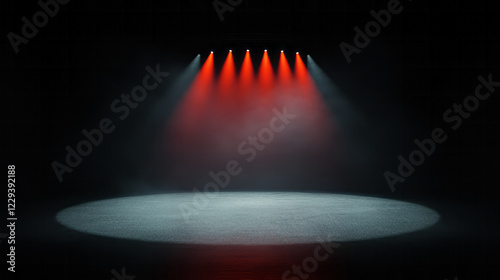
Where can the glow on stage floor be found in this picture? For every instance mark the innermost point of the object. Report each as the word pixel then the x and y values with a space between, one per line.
pixel 249 218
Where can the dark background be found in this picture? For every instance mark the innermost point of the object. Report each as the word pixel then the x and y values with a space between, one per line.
pixel 428 58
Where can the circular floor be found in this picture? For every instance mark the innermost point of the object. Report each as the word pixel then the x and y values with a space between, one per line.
pixel 248 218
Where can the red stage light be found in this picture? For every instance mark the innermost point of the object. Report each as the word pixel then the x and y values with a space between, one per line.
pixel 197 96
pixel 227 76
pixel 284 71
pixel 246 81
pixel 211 120
pixel 301 73
pixel 246 77
pixel 191 109
pixel 266 74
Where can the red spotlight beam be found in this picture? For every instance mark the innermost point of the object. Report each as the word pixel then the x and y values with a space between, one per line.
pixel 284 71
pixel 266 74
pixel 246 77
pixel 246 81
pixel 227 76
pixel 187 117
pixel 301 73
pixel 319 122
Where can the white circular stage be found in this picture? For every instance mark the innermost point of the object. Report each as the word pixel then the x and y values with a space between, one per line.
pixel 248 218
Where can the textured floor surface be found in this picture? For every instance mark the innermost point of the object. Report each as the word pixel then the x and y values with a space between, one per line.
pixel 248 218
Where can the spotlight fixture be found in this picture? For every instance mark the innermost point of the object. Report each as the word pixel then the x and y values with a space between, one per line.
pixel 282 51
pixel 297 53
pixel 248 50
pixel 230 50
pixel 265 50
pixel 212 52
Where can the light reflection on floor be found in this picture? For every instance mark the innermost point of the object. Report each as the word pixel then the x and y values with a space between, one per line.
pixel 248 218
